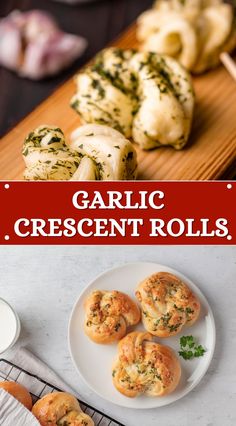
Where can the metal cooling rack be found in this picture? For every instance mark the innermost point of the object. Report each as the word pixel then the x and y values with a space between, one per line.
pixel 38 388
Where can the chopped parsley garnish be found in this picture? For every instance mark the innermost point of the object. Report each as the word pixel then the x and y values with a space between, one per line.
pixel 179 308
pixel 25 152
pixel 54 139
pixel 174 327
pixel 166 318
pixel 189 348
pixel 75 104
pixel 97 85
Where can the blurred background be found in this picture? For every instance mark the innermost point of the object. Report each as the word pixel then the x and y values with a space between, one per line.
pixel 98 21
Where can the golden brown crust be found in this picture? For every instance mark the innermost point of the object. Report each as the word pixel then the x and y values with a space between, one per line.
pixel 19 392
pixel 167 304
pixel 145 367
pixel 60 408
pixel 108 314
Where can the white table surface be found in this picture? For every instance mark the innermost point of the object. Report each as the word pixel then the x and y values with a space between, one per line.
pixel 42 283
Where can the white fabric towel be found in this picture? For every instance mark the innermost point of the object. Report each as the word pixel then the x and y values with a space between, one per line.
pixel 25 359
pixel 14 413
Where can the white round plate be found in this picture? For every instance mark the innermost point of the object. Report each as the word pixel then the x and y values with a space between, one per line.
pixel 93 361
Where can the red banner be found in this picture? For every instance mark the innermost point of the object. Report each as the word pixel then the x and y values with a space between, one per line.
pixel 118 212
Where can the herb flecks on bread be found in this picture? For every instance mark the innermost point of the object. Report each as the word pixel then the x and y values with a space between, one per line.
pixel 60 409
pixel 167 304
pixel 96 152
pixel 145 367
pixel 146 96
pixel 108 314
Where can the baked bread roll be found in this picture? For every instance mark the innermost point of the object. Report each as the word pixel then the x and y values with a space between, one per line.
pixel 113 156
pixel 145 367
pixel 19 392
pixel 194 32
pixel 146 96
pixel 96 153
pixel 46 155
pixel 108 314
pixel 167 304
pixel 60 409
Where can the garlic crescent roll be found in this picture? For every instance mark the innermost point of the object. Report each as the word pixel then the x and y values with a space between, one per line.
pixel 146 96
pixel 46 155
pixel 60 409
pixel 19 392
pixel 194 32
pixel 167 304
pixel 108 314
pixel 145 367
pixel 96 153
pixel 112 154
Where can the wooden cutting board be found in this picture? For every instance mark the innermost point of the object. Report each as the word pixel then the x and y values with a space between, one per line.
pixel 210 153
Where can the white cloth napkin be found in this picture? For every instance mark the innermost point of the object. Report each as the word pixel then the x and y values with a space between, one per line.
pixel 14 413
pixel 25 359
pixel 11 411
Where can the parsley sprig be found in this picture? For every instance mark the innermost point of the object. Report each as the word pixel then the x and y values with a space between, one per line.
pixel 189 348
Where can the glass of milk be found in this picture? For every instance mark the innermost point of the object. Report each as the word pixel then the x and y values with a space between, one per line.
pixel 9 326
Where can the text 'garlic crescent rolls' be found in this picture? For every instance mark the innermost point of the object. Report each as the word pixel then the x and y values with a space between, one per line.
pixel 145 367
pixel 60 409
pixel 108 314
pixel 194 32
pixel 146 96
pixel 96 153
pixel 167 304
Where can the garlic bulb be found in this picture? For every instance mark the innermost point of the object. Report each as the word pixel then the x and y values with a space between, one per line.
pixel 32 44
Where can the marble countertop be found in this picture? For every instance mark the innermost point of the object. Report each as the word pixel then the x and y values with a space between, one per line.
pixel 43 282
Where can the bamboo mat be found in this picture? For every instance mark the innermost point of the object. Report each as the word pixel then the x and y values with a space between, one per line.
pixel 211 150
